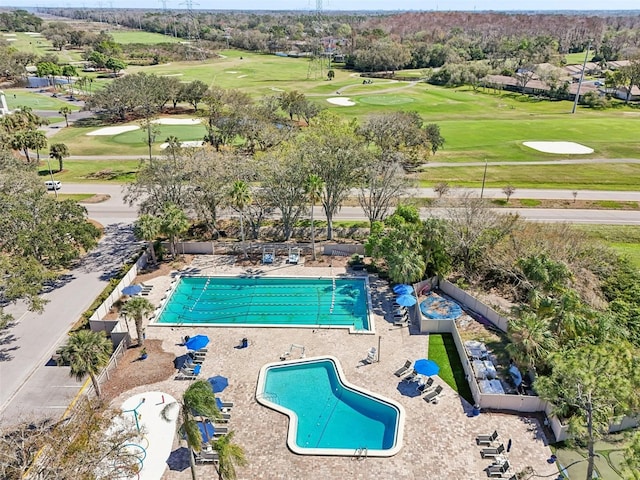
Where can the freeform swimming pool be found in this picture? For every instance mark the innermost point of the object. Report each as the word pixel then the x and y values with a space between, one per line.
pixel 328 415
pixel 268 301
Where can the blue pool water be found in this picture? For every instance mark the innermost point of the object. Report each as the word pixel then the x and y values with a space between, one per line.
pixel 329 414
pixel 278 301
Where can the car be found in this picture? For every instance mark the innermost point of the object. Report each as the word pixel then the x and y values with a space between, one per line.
pixel 53 184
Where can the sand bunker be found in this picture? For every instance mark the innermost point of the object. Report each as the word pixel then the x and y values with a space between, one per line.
pixel 177 121
pixel 10 39
pixel 341 101
pixel 172 74
pixel 113 130
pixel 188 144
pixel 276 89
pixel 9 34
pixel 231 71
pixel 33 34
pixel 241 76
pixel 562 148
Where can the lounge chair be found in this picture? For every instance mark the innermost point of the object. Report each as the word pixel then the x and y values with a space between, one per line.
pixel 492 452
pixel 406 368
pixel 294 255
pixel 487 439
pixel 412 377
pixel 224 418
pixel 205 456
pixel 425 386
pixel 188 374
pixel 401 321
pixel 432 394
pixel 371 355
pixel 497 469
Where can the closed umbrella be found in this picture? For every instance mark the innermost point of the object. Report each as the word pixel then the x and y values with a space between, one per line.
pixel 403 289
pixel 406 300
pixel 426 367
pixel 197 342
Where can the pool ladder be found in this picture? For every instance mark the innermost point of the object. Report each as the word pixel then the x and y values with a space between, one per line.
pixel 361 453
pixel 333 293
pixel 271 397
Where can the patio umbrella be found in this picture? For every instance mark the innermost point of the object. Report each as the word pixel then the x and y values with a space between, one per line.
pixel 206 430
pixel 218 383
pixel 219 403
pixel 403 289
pixel 426 367
pixel 132 290
pixel 406 300
pixel 197 342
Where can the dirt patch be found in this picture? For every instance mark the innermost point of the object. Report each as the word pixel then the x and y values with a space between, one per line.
pixel 133 372
pixel 163 268
pixel 97 198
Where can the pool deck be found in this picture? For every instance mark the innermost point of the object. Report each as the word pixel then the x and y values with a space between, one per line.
pixel 439 439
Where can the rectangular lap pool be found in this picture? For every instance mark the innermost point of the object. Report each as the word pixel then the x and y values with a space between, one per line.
pixel 268 301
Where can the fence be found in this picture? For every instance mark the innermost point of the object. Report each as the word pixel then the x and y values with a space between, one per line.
pixel 113 363
pixel 96 321
pixel 474 304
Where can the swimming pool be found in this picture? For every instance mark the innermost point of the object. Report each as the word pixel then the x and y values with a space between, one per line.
pixel 328 415
pixel 268 301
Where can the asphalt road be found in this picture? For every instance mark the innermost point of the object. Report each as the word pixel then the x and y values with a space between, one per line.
pixel 115 210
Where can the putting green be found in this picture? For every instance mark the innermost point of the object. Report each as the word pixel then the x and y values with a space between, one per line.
pixel 386 100
pixel 182 132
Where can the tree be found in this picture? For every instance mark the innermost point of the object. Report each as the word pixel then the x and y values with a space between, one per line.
pixel 173 222
pixel 240 197
pixel 59 151
pixel 532 339
pixel 441 189
pixel 26 140
pixel 116 65
pixel 138 308
pixel 87 353
pixel 508 191
pixel 198 400
pixel 589 386
pixel 631 465
pixel 331 75
pixel 333 151
pixel 194 92
pixel 65 111
pixel 383 184
pixel 313 188
pixel 147 228
pixel 69 71
pixel 230 455
pixel 283 183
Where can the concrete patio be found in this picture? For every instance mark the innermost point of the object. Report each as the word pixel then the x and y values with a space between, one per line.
pixel 439 439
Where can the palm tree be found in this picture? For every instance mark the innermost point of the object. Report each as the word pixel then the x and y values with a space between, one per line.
pixel 313 188
pixel 87 353
pixel 230 455
pixel 406 267
pixel 532 339
pixel 65 111
pixel 147 228
pixel 240 198
pixel 59 151
pixel 173 223
pixel 138 308
pixel 197 401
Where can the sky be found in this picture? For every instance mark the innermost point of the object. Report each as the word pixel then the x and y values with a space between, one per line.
pixel 390 5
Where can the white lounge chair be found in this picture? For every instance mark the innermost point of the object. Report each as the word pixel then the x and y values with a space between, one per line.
pixel 294 255
pixel 371 355
pixel 186 373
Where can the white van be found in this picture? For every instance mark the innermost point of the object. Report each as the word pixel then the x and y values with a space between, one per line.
pixel 53 184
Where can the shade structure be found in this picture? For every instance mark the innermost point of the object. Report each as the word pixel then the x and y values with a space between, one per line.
pixel 218 383
pixel 403 289
pixel 426 367
pixel 132 290
pixel 406 300
pixel 197 342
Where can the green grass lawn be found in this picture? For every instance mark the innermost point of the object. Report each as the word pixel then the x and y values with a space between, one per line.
pixel 128 143
pixel 76 197
pixel 443 351
pixel 99 171
pixel 579 177
pixel 576 58
pixel 41 46
pixel 623 238
pixel 37 101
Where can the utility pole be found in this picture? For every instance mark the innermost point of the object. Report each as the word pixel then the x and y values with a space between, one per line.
pixel 484 177
pixel 584 66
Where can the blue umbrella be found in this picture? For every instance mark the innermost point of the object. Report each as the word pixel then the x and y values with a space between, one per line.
pixel 197 342
pixel 219 403
pixel 132 290
pixel 403 289
pixel 406 300
pixel 206 430
pixel 426 367
pixel 218 383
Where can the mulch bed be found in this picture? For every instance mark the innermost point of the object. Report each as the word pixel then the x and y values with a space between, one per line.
pixel 133 372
